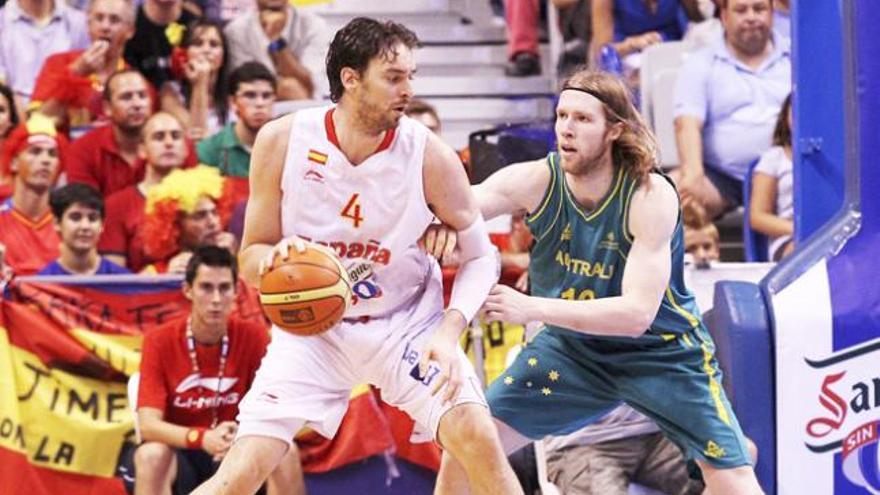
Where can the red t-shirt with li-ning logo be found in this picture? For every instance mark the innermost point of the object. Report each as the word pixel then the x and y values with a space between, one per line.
pixel 168 381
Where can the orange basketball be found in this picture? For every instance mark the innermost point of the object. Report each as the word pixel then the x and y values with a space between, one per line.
pixel 307 293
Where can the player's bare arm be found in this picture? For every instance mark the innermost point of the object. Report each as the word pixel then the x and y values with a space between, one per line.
pixel 447 190
pixel 652 219
pixel 262 238
pixel 515 189
pixel 449 195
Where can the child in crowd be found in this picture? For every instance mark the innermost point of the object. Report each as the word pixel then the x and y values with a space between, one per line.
pixel 772 204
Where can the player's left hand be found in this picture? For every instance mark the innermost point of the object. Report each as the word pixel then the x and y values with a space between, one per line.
pixel 439 241
pixel 442 348
pixel 507 305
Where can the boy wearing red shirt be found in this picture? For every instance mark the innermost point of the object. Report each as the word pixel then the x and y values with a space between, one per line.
pixel 194 372
pixel 32 155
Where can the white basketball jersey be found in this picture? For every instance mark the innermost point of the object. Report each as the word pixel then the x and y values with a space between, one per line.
pixel 371 214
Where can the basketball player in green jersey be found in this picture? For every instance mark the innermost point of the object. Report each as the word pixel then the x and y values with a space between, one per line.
pixel 606 280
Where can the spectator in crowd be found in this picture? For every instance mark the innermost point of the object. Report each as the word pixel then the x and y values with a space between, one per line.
pixel 187 210
pixel 706 31
pixel 622 448
pixel 199 99
pixel 79 218
pixel 8 113
pixel 726 101
pixel 107 158
pixel 782 17
pixel 251 93
pixel 158 28
pixel 8 121
pixel 193 373
pixel 772 206
pixel 163 150
pixel 30 31
pixel 425 113
pixel 70 83
pixel 32 155
pixel 702 242
pixel 290 41
pixel 630 26
pixel 575 25
pixel 522 38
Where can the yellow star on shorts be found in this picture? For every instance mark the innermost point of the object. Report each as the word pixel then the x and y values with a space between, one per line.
pixel 508 380
pixel 546 391
pixel 553 375
pixel 533 361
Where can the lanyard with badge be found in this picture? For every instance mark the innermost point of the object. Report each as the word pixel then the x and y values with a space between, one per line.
pixel 224 352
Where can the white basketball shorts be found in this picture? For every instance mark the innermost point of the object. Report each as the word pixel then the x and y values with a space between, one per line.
pixel 306 381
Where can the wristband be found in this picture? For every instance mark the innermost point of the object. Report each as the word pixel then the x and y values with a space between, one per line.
pixel 277 45
pixel 194 438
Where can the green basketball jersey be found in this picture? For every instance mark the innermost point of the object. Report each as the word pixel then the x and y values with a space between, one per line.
pixel 581 255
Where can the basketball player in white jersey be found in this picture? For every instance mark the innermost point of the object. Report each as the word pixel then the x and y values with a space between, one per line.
pixel 364 180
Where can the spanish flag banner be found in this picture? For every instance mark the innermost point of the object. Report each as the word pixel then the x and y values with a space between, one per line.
pixel 66 352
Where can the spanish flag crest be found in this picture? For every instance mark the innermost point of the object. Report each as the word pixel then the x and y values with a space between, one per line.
pixel 317 157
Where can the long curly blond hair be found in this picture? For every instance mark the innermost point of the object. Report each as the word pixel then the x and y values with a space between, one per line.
pixel 636 148
pixel 177 195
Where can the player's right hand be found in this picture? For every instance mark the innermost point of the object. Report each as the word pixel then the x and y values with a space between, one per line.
pixel 282 249
pixel 442 349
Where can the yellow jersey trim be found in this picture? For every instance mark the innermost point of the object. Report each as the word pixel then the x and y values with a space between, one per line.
pixel 548 195
pixel 618 181
pixel 714 387
pixel 550 192
pixel 626 205
pixel 693 320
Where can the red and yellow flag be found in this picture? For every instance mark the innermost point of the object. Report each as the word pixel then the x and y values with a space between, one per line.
pixel 317 157
pixel 66 352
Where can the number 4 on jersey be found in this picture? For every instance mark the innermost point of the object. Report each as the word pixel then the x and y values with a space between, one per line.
pixel 352 210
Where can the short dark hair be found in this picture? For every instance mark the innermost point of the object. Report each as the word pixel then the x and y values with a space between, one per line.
pixel 66 196
pixel 250 72
pixel 360 41
pixel 211 256
pixel 107 94
pixel 6 91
